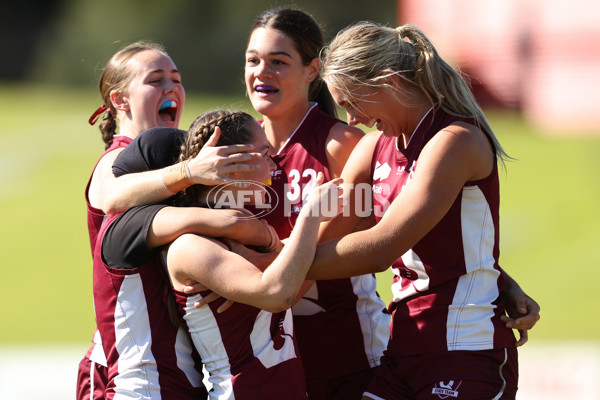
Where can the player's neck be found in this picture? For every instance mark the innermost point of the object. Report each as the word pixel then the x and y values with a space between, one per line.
pixel 279 128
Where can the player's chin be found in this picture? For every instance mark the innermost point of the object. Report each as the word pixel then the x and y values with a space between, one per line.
pixel 262 101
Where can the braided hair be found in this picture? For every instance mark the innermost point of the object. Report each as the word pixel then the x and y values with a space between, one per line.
pixel 233 131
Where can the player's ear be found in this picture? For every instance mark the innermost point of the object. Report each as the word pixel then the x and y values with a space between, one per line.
pixel 313 69
pixel 119 101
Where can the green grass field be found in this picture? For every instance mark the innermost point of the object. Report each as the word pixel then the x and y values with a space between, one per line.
pixel 549 216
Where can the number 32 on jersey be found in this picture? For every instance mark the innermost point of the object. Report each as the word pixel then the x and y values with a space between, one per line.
pixel 297 191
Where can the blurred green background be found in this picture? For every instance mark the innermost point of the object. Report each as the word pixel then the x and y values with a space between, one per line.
pixel 48 89
pixel 68 41
pixel 549 216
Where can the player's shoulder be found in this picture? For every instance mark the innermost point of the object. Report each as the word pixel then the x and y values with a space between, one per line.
pixel 369 141
pixel 462 136
pixel 345 134
pixel 205 251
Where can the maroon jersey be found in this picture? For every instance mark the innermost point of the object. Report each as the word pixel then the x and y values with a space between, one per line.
pixel 96 352
pixel 342 326
pixel 94 215
pixel 249 353
pixel 446 288
pixel 299 161
pixel 148 356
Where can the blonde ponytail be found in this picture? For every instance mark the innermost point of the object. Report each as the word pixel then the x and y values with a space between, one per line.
pixel 366 54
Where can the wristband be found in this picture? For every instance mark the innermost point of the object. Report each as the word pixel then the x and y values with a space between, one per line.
pixel 177 177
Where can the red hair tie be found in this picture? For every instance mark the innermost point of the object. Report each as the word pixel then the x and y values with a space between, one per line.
pixel 97 113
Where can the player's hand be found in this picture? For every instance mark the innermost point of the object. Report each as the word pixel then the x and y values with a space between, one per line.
pixel 213 165
pixel 193 287
pixel 324 199
pixel 523 313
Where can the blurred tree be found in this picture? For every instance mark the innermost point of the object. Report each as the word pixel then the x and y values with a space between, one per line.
pixel 206 38
pixel 22 23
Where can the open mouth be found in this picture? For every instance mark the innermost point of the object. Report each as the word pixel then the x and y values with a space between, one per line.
pixel 168 111
pixel 266 89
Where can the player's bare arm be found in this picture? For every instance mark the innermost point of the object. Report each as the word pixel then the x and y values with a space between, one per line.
pixel 356 171
pixel 450 159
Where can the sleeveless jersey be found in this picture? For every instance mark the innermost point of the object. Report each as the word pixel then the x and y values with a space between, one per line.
pixel 94 215
pixel 446 288
pixel 342 325
pixel 147 356
pixel 249 353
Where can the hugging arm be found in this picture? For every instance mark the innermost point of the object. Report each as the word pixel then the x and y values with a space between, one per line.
pixel 356 185
pixel 209 261
pixel 172 222
pixel 451 158
pixel 147 171
pixel 400 228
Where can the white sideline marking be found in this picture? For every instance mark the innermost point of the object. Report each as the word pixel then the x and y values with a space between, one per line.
pixel 548 370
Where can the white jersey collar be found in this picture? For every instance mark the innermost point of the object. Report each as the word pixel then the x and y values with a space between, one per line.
pixel 413 133
pixel 298 127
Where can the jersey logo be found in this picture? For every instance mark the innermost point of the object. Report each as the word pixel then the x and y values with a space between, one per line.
pixel 445 390
pixel 412 275
pixel 272 338
pixel 382 171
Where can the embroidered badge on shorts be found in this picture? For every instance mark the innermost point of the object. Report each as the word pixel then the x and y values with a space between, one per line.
pixel 445 390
